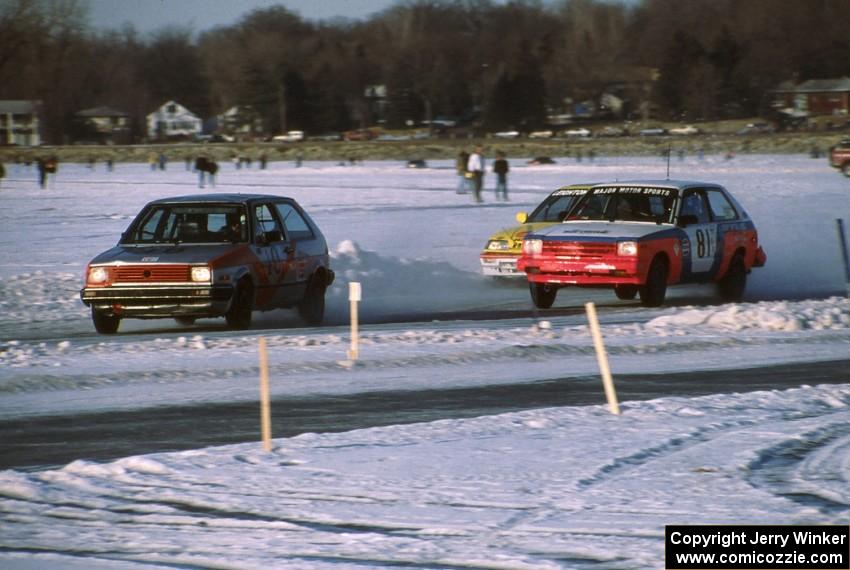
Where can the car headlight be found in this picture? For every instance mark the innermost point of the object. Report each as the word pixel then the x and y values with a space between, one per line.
pixel 201 273
pixel 627 248
pixel 532 246
pixel 97 275
pixel 498 244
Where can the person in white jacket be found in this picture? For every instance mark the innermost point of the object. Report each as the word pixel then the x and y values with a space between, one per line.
pixel 476 167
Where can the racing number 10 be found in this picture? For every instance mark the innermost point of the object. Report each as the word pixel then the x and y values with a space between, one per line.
pixel 705 244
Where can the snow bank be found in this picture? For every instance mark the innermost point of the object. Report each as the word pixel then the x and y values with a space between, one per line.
pixel 783 316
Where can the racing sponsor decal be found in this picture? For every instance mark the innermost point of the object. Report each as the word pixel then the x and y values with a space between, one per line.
pixel 641 190
pixel 570 192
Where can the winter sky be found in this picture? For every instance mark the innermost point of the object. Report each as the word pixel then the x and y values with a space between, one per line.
pixel 201 15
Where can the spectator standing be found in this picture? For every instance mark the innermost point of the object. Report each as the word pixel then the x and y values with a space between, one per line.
pixel 212 170
pixel 461 167
pixel 42 171
pixel 501 168
pixel 152 158
pixel 2 173
pixel 201 168
pixel 476 167
pixel 46 167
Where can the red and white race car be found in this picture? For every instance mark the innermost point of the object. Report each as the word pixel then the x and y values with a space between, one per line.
pixel 640 237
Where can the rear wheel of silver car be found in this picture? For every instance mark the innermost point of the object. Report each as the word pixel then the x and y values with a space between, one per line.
pixel 653 292
pixel 731 286
pixel 239 314
pixel 312 306
pixel 626 292
pixel 543 294
pixel 105 323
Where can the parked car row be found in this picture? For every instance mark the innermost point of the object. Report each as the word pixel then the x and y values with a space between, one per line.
pixel 446 129
pixel 607 131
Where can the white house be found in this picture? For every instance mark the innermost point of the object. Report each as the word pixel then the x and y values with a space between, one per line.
pixel 173 120
pixel 20 123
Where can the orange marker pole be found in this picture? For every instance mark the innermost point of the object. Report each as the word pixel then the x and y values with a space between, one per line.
pixel 265 399
pixel 602 358
pixel 354 296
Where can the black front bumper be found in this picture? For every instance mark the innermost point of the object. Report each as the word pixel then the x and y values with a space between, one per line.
pixel 160 301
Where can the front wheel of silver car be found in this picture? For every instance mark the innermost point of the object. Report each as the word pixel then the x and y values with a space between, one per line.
pixel 239 314
pixel 312 306
pixel 105 323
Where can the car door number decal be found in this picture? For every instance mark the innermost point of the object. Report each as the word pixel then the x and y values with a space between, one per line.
pixel 706 244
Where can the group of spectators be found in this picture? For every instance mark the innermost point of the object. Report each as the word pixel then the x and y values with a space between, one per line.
pixel 470 170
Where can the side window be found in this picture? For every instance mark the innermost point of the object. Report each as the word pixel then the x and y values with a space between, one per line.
pixel 721 207
pixel 296 226
pixel 147 229
pixel 265 221
pixel 693 204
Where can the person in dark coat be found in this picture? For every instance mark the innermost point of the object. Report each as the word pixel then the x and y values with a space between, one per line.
pixel 201 169
pixel 46 167
pixel 461 167
pixel 500 169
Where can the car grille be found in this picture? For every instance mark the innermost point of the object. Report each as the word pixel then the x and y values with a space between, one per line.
pixel 150 274
pixel 579 250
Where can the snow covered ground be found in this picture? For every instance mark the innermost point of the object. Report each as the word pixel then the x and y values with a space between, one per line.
pixel 549 488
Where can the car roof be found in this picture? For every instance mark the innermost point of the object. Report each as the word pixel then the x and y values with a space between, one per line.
pixel 675 184
pixel 577 186
pixel 219 198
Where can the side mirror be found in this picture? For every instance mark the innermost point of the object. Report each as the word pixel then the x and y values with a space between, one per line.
pixel 687 220
pixel 522 217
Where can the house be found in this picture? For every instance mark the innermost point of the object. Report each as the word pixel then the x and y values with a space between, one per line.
pixel 20 123
pixel 814 97
pixel 103 125
pixel 240 121
pixel 173 120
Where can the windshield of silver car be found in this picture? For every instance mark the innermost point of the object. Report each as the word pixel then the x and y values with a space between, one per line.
pixel 195 223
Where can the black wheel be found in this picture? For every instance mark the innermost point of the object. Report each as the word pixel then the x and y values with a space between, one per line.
pixel 239 314
pixel 625 292
pixel 105 323
pixel 185 321
pixel 312 306
pixel 653 292
pixel 846 169
pixel 543 294
pixel 731 286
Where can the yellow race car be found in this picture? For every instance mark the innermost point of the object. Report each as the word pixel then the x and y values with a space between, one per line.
pixel 505 246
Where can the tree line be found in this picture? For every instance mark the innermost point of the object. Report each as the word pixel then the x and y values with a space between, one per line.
pixel 494 65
